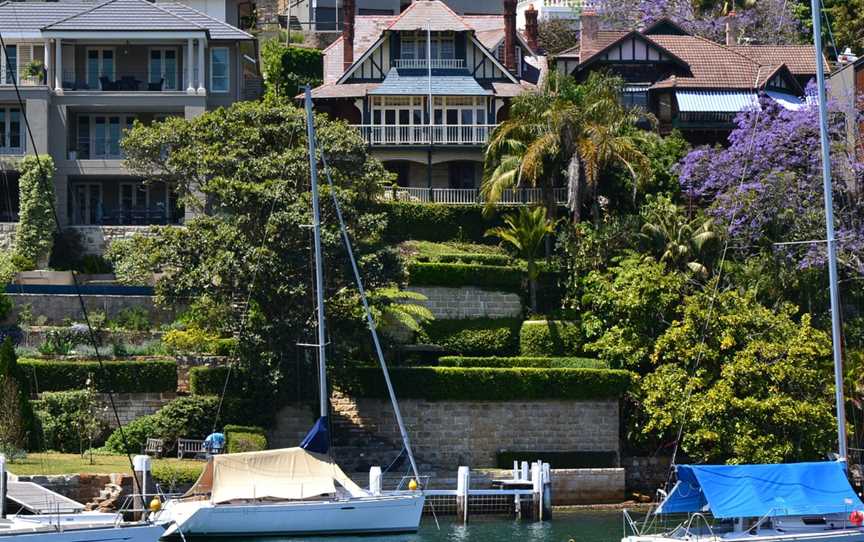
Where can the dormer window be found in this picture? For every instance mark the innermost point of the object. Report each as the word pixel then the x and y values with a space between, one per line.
pixel 413 47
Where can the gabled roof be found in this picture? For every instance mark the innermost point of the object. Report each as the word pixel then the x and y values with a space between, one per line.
pixel 665 26
pixel 131 15
pixel 429 14
pixel 800 59
pixel 585 60
pixel 409 82
pixel 32 18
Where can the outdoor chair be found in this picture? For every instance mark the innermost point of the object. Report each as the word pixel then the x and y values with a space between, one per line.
pixel 157 86
pixel 189 446
pixel 154 447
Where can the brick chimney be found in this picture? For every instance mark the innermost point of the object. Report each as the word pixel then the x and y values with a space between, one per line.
pixel 347 34
pixel 510 35
pixel 732 28
pixel 531 30
pixel 590 25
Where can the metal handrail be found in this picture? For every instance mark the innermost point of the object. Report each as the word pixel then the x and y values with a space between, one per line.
pixel 690 524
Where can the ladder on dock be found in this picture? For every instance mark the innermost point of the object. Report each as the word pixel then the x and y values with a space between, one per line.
pixel 36 499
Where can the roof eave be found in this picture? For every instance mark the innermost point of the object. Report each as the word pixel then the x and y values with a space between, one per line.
pixel 125 34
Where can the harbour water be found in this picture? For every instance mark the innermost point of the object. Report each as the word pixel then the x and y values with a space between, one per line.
pixel 577 526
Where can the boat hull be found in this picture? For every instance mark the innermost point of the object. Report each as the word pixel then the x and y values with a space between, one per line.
pixel 840 535
pixel 132 533
pixel 364 515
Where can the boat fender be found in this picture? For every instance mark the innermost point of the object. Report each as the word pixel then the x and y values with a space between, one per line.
pixel 155 505
pixel 412 485
pixel 856 518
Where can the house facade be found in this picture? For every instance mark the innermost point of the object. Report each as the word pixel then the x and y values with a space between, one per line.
pixel 86 71
pixel 688 82
pixel 426 88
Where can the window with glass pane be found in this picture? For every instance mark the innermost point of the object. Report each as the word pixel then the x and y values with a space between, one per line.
pixel 15 128
pixel 163 67
pixel 100 63
pixel 219 69
pixel 84 137
pixel 10 60
pixel 3 132
pixel 155 65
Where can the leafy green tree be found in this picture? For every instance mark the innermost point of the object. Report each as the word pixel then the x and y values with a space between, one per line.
pixel 556 35
pixel 397 310
pixel 524 233
pixel 287 68
pixel 626 309
pixel 34 237
pixel 245 267
pixel 678 241
pixel 18 422
pixel 748 383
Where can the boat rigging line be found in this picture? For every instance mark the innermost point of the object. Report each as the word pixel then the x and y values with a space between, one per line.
pixel 44 179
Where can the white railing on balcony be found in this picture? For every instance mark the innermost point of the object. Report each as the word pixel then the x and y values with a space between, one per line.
pixel 423 63
pixel 572 4
pixel 468 196
pixel 24 78
pixel 473 134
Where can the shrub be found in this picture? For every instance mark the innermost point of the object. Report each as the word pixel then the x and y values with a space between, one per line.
pixel 195 340
pixel 171 476
pixel 477 337
pixel 34 236
pixel 245 442
pixel 68 420
pixel 473 384
pixel 127 376
pixel 539 362
pixel 286 68
pixel 455 275
pixel 5 303
pixel 437 222
pixel 229 428
pixel 132 318
pixel 209 380
pixel 62 341
pixel 550 338
pixel 19 428
pixel 136 432
pixel 559 460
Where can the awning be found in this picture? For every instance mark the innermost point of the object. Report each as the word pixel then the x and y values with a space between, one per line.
pixel 416 82
pixel 708 101
pixel 736 491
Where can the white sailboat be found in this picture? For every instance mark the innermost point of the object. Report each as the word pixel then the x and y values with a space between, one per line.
pixel 800 502
pixel 297 490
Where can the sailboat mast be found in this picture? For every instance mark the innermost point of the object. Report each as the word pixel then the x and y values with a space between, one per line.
pixel 836 331
pixel 319 261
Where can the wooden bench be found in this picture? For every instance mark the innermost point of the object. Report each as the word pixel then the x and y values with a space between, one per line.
pixel 189 446
pixel 154 447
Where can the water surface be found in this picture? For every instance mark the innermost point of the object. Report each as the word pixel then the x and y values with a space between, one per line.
pixel 578 526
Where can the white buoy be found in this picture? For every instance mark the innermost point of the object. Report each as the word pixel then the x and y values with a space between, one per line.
pixel 375 480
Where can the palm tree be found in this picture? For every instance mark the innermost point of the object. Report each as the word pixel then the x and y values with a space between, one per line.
pixel 524 232
pixel 678 241
pixel 570 130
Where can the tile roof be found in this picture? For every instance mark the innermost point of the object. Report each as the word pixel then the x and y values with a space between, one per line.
pixel 432 14
pixel 711 65
pixel 800 59
pixel 410 82
pixel 345 90
pixel 113 15
pixel 367 30
pixel 605 38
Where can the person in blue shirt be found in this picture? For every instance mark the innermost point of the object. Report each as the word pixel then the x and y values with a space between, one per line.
pixel 214 444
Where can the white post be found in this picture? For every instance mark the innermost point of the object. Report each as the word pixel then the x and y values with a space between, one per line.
pixel 201 88
pixel 525 470
pixel 2 486
pixel 190 66
pixel 375 480
pixel 58 66
pixel 463 482
pixel 515 470
pixel 547 491
pixel 537 488
pixel 46 60
pixel 140 481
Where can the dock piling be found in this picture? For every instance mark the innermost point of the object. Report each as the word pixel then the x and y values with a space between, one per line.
pixel 463 482
pixel 537 488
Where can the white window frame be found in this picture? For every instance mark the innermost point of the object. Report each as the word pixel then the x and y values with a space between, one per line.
pixel 440 103
pixel 125 120
pixel 227 70
pixel 3 79
pixel 162 71
pixel 5 142
pixel 100 56
pixel 82 208
pixel 418 39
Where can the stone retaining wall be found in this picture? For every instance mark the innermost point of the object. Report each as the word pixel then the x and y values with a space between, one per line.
pixel 186 363
pixel 646 474
pixel 96 239
pixel 131 406
pixel 7 235
pixel 79 487
pixel 469 302
pixel 56 308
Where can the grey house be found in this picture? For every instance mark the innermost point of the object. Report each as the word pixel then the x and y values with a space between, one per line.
pixel 86 71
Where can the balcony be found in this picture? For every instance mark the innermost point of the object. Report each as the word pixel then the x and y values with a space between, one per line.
pixel 124 81
pixel 24 78
pixel 424 64
pixel 468 196
pixel 381 135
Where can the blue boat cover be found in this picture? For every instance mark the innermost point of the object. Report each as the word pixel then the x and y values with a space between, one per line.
pixel 736 491
pixel 317 440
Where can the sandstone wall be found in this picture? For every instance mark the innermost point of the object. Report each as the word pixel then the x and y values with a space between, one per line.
pixel 646 474
pixel 58 307
pixel 96 239
pixel 79 487
pixel 469 302
pixel 132 405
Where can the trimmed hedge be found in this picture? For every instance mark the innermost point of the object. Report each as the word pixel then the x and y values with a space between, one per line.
pixel 245 442
pixel 233 428
pixel 431 222
pixel 482 259
pixel 560 460
pixel 209 380
pixel 473 384
pixel 151 376
pixel 550 338
pixel 455 275
pixel 477 337
pixel 538 362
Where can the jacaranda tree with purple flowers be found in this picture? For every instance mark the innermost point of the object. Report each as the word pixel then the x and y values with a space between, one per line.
pixel 766 187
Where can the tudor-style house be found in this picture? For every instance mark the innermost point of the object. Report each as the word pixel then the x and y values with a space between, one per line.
pixel 86 71
pixel 689 82
pixel 427 87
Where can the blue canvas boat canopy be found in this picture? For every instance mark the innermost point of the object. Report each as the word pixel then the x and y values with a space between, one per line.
pixel 736 491
pixel 709 101
pixel 415 82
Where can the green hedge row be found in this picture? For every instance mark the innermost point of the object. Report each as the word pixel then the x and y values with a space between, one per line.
pixel 477 337
pixel 238 442
pixel 560 460
pixel 127 376
pixel 428 222
pixel 473 384
pixel 209 380
pixel 482 259
pixel 455 275
pixel 550 338
pixel 539 362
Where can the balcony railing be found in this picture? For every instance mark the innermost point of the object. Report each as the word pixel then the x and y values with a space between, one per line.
pixel 469 196
pixel 125 81
pixel 126 217
pixel 473 134
pixel 23 77
pixel 423 63
pixel 572 4
pixel 98 149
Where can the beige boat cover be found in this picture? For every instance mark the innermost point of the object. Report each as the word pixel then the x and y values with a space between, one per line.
pixel 286 474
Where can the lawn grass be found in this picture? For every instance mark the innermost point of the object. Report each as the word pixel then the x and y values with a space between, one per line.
pixel 57 463
pixel 413 249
